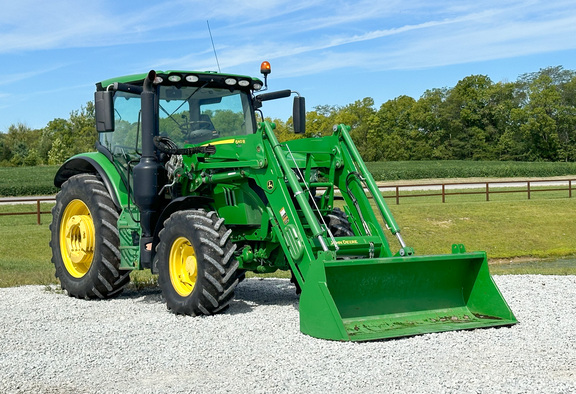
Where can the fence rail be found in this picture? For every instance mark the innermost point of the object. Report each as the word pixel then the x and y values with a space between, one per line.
pixel 433 189
pixel 38 212
pixel 486 188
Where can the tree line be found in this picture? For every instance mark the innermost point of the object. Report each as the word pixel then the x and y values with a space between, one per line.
pixel 530 119
pixel 53 144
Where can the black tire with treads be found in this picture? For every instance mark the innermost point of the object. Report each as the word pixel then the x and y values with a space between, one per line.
pixel 197 268
pixel 338 223
pixel 83 199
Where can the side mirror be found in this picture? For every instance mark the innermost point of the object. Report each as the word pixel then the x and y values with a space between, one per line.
pixel 270 96
pixel 104 111
pixel 299 115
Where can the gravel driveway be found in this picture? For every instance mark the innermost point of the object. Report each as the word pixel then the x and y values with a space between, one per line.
pixel 51 343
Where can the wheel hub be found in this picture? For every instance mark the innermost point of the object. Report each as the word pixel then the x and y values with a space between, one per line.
pixel 191 265
pixel 183 266
pixel 77 238
pixel 80 238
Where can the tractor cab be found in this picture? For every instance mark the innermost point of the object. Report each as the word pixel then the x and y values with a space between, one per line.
pixel 190 109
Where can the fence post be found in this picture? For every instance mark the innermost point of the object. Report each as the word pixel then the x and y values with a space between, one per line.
pixel 487 191
pixel 397 195
pixel 570 188
pixel 443 193
pixel 528 189
pixel 38 212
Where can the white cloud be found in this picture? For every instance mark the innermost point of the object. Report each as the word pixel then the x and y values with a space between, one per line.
pixel 514 29
pixel 375 35
pixel 17 77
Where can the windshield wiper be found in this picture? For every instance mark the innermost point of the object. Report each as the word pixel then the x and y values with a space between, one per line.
pixel 184 101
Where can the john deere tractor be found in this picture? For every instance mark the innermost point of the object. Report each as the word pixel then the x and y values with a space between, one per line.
pixel 191 182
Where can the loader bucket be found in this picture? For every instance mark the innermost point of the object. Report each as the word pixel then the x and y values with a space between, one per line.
pixel 369 299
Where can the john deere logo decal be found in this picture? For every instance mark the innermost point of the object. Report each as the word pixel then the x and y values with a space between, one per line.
pixel 270 185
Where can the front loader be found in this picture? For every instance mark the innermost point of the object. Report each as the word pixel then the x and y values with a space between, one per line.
pixel 188 183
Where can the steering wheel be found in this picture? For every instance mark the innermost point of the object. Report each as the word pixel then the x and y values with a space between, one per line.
pixel 200 131
pixel 200 124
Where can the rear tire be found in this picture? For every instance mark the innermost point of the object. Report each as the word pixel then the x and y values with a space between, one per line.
pixel 196 264
pixel 85 241
pixel 339 226
pixel 338 223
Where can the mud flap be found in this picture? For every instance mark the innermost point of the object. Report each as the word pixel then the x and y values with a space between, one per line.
pixel 370 299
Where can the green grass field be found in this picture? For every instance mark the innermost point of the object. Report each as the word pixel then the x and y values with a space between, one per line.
pixel 25 181
pixel 504 229
pixel 479 194
pixel 510 229
pixel 398 170
pixel 24 249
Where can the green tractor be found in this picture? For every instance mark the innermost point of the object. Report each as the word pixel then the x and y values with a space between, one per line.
pixel 189 181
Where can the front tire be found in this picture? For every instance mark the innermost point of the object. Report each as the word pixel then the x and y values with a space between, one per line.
pixel 196 264
pixel 85 241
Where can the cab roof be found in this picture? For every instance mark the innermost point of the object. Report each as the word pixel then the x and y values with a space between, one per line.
pixel 188 78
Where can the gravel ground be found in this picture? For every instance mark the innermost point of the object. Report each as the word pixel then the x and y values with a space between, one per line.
pixel 51 343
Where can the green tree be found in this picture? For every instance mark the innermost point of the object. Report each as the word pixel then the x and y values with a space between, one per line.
pixel 427 115
pixel 4 150
pixel 466 119
pixel 72 136
pixel 321 120
pixel 58 153
pixel 393 133
pixel 227 122
pixel 359 115
pixel 82 125
pixel 17 143
pixel 544 126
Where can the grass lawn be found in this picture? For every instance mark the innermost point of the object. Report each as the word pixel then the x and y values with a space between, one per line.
pixel 510 228
pixel 27 181
pixel 24 250
pixel 504 229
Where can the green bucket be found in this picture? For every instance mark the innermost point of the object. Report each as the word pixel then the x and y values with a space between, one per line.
pixel 370 299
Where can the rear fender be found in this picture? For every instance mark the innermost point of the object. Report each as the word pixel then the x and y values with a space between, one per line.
pixel 98 164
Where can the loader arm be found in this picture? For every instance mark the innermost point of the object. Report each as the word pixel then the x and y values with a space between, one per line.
pixel 355 287
pixel 297 216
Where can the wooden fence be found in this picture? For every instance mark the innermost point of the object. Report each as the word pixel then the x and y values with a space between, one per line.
pixel 527 187
pixel 38 212
pixel 432 189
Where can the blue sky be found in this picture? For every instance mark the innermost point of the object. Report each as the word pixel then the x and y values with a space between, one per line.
pixel 332 52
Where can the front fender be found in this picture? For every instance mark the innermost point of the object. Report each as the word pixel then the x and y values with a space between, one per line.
pixel 178 204
pixel 96 163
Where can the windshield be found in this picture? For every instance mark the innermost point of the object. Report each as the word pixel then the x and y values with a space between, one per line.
pixel 187 115
pixel 193 115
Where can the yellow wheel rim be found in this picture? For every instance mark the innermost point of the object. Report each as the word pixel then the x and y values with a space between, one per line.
pixel 77 238
pixel 183 266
